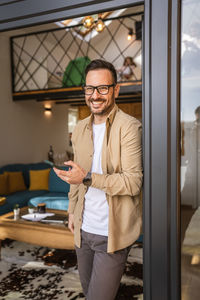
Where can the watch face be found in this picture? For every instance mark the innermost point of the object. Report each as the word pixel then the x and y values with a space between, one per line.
pixel 87 180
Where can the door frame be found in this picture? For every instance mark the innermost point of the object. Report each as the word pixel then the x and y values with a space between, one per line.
pixel 161 92
pixel 161 129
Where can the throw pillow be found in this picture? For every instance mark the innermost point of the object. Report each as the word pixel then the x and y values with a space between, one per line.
pixel 15 182
pixel 3 184
pixel 2 200
pixel 39 179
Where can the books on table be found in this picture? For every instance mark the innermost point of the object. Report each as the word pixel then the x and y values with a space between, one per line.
pixel 57 218
pixel 47 218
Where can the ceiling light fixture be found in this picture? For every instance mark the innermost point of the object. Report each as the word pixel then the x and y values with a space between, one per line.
pixel 130 34
pixel 100 25
pixel 88 21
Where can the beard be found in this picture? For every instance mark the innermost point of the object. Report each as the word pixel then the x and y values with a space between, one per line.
pixel 105 110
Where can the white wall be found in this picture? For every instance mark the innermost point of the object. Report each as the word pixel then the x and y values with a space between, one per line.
pixel 25 132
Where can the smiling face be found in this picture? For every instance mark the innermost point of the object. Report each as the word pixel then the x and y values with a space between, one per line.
pixel 101 105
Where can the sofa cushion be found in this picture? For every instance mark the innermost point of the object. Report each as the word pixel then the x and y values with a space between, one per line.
pixel 60 201
pixel 2 200
pixel 15 182
pixel 35 166
pixel 39 180
pixel 25 169
pixel 56 184
pixel 3 184
pixel 13 168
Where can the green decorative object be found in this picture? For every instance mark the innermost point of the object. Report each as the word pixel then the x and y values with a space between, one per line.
pixel 16 206
pixel 74 73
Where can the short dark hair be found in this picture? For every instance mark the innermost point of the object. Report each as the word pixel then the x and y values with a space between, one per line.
pixel 101 64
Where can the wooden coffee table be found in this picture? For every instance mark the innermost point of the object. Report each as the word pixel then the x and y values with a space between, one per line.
pixel 47 235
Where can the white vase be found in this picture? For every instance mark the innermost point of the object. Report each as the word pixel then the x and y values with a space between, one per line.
pixel 31 210
pixel 16 213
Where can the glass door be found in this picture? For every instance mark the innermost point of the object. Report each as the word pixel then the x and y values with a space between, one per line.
pixel 190 150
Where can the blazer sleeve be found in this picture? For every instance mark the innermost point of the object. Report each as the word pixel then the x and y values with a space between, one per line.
pixel 129 180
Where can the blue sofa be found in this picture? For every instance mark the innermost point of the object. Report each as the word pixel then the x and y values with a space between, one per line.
pixel 56 197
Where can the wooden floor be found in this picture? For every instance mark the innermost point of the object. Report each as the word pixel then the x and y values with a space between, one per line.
pixel 190 273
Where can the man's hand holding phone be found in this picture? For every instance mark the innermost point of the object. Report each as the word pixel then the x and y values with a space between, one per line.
pixel 74 175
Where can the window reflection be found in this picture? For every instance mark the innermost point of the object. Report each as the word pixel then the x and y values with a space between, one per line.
pixel 190 149
pixel 191 49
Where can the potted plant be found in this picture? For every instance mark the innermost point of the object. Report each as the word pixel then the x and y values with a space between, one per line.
pixel 16 210
pixel 31 209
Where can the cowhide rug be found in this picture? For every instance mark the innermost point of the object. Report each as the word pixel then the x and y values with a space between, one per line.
pixel 33 272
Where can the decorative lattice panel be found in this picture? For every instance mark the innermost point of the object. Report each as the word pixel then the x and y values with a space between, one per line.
pixel 40 59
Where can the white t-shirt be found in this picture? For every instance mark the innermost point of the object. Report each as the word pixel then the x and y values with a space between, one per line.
pixel 95 214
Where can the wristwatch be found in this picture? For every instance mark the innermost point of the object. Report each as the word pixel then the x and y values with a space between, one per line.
pixel 87 180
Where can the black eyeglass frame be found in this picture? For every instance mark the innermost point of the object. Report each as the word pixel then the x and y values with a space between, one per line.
pixel 97 88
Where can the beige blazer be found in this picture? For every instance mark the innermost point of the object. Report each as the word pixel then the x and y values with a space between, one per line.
pixel 121 179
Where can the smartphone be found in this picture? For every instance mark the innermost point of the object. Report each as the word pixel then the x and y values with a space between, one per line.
pixel 61 167
pixel 56 166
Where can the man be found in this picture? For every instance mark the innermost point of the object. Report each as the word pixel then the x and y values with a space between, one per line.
pixel 106 178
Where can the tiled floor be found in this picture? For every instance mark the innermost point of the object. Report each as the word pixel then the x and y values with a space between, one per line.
pixel 190 273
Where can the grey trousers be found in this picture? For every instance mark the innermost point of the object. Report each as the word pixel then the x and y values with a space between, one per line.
pixel 100 272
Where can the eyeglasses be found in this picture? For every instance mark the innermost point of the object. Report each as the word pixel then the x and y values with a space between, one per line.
pixel 101 89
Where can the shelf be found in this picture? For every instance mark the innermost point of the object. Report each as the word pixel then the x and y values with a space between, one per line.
pixel 129 92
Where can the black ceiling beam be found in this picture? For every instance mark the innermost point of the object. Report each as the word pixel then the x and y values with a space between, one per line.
pixel 59 94
pixel 141 13
pixel 25 13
